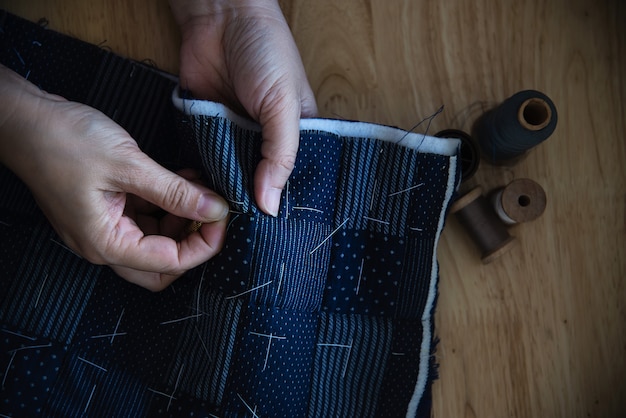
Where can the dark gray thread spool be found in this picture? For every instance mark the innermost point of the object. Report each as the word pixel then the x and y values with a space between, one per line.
pixel 505 134
pixel 486 230
pixel 469 153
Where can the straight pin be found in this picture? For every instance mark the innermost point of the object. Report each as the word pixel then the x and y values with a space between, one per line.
pixel 331 234
pixel 405 190
pixel 248 291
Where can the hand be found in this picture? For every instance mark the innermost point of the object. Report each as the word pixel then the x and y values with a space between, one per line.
pixel 241 53
pixel 94 184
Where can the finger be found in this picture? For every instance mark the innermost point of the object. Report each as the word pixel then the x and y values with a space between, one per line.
pixel 171 192
pixel 309 105
pixel 154 262
pixel 280 124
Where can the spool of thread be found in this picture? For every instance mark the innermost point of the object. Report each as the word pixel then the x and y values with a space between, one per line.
pixel 521 122
pixel 486 230
pixel 469 153
pixel 522 200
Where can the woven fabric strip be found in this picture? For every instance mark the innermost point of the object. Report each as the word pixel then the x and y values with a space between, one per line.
pixel 324 310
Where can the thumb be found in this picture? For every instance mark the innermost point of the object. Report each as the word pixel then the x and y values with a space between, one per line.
pixel 173 193
pixel 281 133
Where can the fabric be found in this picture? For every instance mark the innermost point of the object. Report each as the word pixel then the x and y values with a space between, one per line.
pixel 324 311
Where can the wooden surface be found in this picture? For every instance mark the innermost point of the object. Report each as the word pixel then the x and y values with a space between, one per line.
pixel 541 332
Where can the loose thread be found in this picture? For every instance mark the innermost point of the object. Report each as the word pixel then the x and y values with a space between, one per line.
pixel 429 119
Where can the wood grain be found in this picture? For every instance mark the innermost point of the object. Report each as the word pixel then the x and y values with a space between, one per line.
pixel 541 331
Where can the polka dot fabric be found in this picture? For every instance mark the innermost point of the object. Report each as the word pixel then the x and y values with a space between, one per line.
pixel 323 311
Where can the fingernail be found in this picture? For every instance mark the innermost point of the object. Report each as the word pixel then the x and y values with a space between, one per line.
pixel 272 201
pixel 212 207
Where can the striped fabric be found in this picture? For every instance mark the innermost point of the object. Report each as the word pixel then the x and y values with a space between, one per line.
pixel 324 311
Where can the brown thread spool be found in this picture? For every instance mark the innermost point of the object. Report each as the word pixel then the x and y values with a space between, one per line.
pixel 482 224
pixel 522 200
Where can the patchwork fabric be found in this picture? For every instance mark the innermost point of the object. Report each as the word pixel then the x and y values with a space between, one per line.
pixel 324 311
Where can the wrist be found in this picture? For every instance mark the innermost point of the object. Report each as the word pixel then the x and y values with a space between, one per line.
pixel 21 122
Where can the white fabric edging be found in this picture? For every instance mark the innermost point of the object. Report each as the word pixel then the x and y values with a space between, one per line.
pixel 349 129
pixel 427 338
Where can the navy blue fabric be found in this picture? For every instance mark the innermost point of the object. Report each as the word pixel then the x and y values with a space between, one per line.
pixel 325 310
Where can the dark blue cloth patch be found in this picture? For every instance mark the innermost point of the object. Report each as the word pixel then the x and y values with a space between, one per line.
pixel 31 302
pixel 311 191
pixel 29 368
pixel 86 388
pixel 350 360
pixel 230 164
pixel 427 200
pixel 364 274
pixel 407 358
pixel 124 324
pixel 272 369
pixel 288 271
pixel 418 278
pixel 205 349
pixel 229 271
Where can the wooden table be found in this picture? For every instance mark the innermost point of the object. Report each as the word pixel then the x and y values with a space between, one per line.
pixel 540 332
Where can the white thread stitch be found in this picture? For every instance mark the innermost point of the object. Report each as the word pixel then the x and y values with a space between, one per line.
pixel 254 415
pixel 280 281
pixel 206 350
pixel 31 347
pixel 200 287
pixel 405 190
pixel 89 400
pixel 45 279
pixel 358 285
pixel 328 237
pixel 6 372
pixel 414 228
pixel 232 220
pixel 306 208
pixel 270 337
pixel 66 247
pixel 19 335
pixel 115 334
pixel 181 319
pixel 161 393
pixel 287 200
pixel 5 223
pixel 119 320
pixel 180 372
pixel 380 221
pixel 19 57
pixel 373 194
pixel 92 364
pixel 248 291
pixel 348 346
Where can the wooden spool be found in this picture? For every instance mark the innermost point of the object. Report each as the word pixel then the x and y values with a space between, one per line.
pixel 486 230
pixel 522 200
